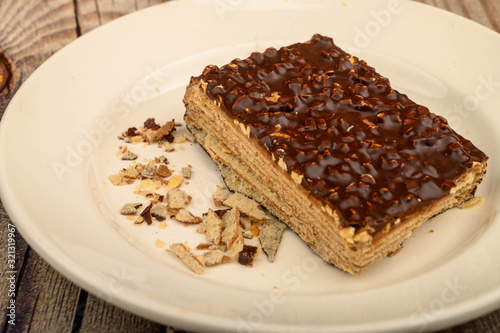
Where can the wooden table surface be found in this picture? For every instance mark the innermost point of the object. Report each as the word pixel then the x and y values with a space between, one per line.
pixel 30 32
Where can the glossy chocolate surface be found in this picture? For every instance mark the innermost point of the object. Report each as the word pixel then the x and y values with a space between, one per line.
pixel 363 147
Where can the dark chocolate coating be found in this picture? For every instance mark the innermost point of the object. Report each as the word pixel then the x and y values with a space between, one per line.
pixel 362 146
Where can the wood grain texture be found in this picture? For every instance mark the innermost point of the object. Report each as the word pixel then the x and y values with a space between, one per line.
pixel 99 315
pixel 5 76
pixel 30 32
pixel 104 317
pixel 485 12
pixel 20 248
pixel 48 298
pixel 92 13
pixel 44 299
pixel 27 38
pixel 51 303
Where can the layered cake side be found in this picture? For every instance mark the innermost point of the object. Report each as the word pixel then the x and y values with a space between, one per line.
pixel 329 147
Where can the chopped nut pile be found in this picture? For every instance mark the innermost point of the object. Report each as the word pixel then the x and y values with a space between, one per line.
pixel 234 232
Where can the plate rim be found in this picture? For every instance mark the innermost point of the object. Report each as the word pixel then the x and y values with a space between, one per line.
pixel 16 214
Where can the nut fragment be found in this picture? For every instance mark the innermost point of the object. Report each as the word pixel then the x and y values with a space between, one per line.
pixel 161 159
pixel 117 180
pixel 219 196
pixel 130 172
pixel 362 238
pixel 347 234
pixel 246 222
pixel 183 215
pixel 186 172
pixel 148 171
pixel 247 254
pixel 211 258
pixel 146 214
pixel 270 236
pixel 129 156
pixel 176 181
pixel 164 130
pixel 231 236
pixel 130 208
pixel 159 212
pixel 255 230
pixel 169 148
pixel 246 206
pixel 282 164
pixel 213 227
pixel 122 149
pixel 186 255
pixel 163 171
pixel 247 234
pixel 150 123
pixel 297 178
pixel 329 209
pixel 177 199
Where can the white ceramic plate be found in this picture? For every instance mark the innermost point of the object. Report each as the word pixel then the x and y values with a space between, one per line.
pixel 58 143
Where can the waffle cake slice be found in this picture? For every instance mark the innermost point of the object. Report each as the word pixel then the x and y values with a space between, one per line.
pixel 325 143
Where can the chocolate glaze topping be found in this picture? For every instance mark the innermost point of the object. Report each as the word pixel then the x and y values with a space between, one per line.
pixel 366 149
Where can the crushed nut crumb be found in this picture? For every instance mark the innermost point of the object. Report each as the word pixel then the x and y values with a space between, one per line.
pixel 183 215
pixel 219 196
pixel 231 236
pixel 129 156
pixel 186 172
pixel 117 180
pixel 246 206
pixel 270 236
pixel 177 199
pixel 159 212
pixel 175 181
pixel 163 171
pixel 130 208
pixel 225 230
pixel 183 252
pixel 211 258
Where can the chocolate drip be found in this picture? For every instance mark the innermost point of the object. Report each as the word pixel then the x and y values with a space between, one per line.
pixel 361 146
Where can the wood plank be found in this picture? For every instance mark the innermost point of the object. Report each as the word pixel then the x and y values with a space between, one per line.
pixel 49 300
pixel 104 317
pixel 30 32
pixel 92 14
pixel 19 249
pixel 46 300
pixel 98 314
pixel 492 8
pixel 451 6
pixel 477 12
pixel 489 323
pixel 485 12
